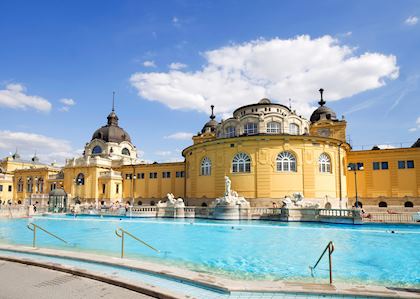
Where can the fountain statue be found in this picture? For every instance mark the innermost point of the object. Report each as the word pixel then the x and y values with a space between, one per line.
pixel 298 202
pixel 172 202
pixel 231 197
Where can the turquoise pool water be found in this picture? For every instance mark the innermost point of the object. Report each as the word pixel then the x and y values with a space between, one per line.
pixel 246 249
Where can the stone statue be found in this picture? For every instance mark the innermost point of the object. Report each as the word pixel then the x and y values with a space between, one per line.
pixel 228 184
pixel 231 197
pixel 172 202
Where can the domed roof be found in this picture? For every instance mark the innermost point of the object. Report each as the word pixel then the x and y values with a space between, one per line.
pixel 111 132
pixel 417 143
pixel 323 112
pixel 211 125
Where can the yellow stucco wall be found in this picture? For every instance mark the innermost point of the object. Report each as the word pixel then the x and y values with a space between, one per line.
pixel 264 182
pixel 393 185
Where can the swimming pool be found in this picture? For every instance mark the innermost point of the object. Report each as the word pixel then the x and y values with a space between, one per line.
pixel 243 249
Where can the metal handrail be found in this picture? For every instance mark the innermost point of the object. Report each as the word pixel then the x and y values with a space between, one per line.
pixel 121 235
pixel 34 228
pixel 330 248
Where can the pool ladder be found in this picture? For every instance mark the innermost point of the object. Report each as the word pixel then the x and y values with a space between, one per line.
pixel 120 232
pixel 35 227
pixel 330 248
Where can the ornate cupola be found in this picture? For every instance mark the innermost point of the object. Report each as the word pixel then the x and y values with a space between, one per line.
pixel 211 125
pixel 323 112
pixel 111 132
pixel 324 121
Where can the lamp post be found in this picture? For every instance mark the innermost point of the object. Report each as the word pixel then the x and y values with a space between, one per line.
pixel 355 167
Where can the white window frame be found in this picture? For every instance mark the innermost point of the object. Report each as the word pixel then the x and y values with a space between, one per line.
pixel 286 162
pixel 273 127
pixel 230 131
pixel 294 129
pixel 241 163
pixel 205 167
pixel 324 162
pixel 250 128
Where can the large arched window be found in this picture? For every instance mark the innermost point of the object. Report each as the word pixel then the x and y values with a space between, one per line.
pixel 230 132
pixel 250 128
pixel 273 127
pixel 97 150
pixel 286 161
pixel 241 163
pixel 324 163
pixel 80 179
pixel 125 151
pixel 205 168
pixel 294 129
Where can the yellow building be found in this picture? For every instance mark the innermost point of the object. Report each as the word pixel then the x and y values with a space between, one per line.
pixel 267 150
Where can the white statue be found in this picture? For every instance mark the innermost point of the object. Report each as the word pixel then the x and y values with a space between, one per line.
pixel 228 184
pixel 287 202
pixel 172 202
pixel 231 197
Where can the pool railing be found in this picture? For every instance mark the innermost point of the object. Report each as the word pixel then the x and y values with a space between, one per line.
pixel 120 232
pixel 34 227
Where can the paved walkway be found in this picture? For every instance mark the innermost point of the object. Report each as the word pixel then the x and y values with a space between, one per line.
pixel 18 281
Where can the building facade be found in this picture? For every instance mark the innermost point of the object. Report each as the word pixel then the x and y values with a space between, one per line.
pixel 266 149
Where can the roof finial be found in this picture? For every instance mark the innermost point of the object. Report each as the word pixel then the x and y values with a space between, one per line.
pixel 321 102
pixel 113 101
pixel 212 112
pixel 290 103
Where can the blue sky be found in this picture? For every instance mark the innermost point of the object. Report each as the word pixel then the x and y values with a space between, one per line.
pixel 169 60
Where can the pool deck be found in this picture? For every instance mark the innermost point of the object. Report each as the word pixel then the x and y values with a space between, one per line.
pixel 207 280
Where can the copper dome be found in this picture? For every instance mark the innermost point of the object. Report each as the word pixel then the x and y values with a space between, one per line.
pixel 111 132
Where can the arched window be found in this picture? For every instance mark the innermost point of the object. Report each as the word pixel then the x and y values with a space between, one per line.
pixel 80 179
pixel 205 168
pixel 408 204
pixel 328 205
pixel 40 185
pixel 29 185
pixel 20 185
pixel 324 163
pixel 125 151
pixel 273 128
pixel 250 128
pixel 139 203
pixel 286 161
pixel 230 132
pixel 203 204
pixel 294 129
pixel 97 150
pixel 241 163
pixel 152 203
pixel 382 204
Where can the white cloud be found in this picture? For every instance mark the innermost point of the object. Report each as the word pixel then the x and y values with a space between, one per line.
pixel 385 146
pixel 180 136
pixel 48 149
pixel 417 127
pixel 411 20
pixel 278 69
pixel 177 66
pixel 149 63
pixel 163 153
pixel 175 20
pixel 14 97
pixel 68 102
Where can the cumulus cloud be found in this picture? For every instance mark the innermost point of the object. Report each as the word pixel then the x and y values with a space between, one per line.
pixel 149 63
pixel 48 149
pixel 163 153
pixel 67 104
pixel 279 69
pixel 180 136
pixel 411 20
pixel 417 127
pixel 177 66
pixel 14 97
